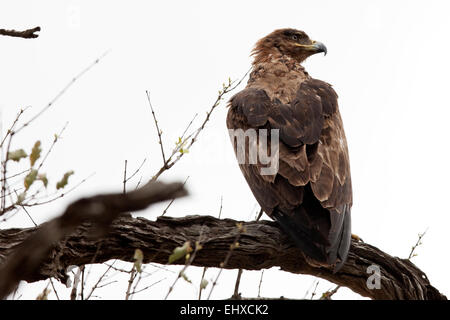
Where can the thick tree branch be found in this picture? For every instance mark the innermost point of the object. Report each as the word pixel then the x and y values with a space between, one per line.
pixel 262 245
pixel 33 246
pixel 26 34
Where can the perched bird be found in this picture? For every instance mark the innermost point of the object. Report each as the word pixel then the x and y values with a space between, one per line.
pixel 310 193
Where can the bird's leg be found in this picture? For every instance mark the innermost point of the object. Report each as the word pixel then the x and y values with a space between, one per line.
pixel 356 238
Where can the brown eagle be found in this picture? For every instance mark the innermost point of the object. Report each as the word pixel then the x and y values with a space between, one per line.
pixel 310 194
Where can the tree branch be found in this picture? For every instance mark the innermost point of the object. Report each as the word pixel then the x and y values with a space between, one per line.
pixel 262 245
pixel 26 34
pixel 22 257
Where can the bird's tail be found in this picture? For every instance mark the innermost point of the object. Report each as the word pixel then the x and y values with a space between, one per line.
pixel 327 243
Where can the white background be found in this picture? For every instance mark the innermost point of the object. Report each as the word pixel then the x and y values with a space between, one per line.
pixel 388 61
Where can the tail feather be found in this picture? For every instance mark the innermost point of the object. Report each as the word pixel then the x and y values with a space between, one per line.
pixel 302 235
pixel 325 243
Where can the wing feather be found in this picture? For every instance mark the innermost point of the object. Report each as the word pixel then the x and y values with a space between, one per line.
pixel 311 193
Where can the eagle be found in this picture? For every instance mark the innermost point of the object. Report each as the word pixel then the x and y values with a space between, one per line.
pixel 310 192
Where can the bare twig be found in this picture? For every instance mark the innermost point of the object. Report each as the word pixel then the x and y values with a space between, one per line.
pixel 97 284
pixel 221 206
pixel 157 128
pixel 313 293
pixel 55 139
pixel 15 174
pixel 62 92
pixel 147 287
pixel 82 282
pixel 137 170
pixel 223 264
pixel 236 294
pixel 260 283
pixel 171 201
pixel 201 283
pixel 125 178
pixel 54 289
pixel 4 170
pixel 76 281
pixel 11 129
pixel 133 273
pixel 418 243
pixel 187 142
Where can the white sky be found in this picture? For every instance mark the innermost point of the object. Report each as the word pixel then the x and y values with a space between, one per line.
pixel 388 61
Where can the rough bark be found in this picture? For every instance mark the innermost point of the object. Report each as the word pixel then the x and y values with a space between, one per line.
pixel 262 245
pixel 23 251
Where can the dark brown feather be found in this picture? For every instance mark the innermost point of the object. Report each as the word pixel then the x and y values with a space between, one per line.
pixel 311 194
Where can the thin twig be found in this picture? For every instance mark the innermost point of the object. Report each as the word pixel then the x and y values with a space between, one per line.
pixel 56 138
pixel 236 294
pixel 76 281
pixel 201 283
pixel 171 201
pixel 82 282
pixel 125 178
pixel 28 214
pixel 63 91
pixel 221 206
pixel 157 127
pixel 233 246
pixel 147 287
pixel 54 289
pixel 136 171
pixel 187 142
pixel 130 281
pixel 15 174
pixel 313 293
pixel 418 243
pixel 260 283
pixel 4 170
pixel 96 286
pixel 10 130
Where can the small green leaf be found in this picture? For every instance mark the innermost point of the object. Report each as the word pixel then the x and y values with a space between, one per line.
pixel 44 294
pixel 138 259
pixel 30 178
pixel 43 177
pixel 204 284
pixel 21 198
pixel 65 179
pixel 17 155
pixel 184 276
pixel 180 252
pixel 35 153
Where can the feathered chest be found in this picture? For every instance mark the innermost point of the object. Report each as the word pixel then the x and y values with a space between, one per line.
pixel 280 78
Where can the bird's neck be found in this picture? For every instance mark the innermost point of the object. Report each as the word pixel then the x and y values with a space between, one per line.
pixel 279 75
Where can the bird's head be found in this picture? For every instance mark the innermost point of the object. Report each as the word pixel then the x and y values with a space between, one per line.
pixel 289 42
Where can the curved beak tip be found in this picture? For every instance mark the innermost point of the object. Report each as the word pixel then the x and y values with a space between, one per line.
pixel 320 47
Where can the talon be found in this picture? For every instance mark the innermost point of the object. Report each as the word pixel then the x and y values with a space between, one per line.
pixel 357 238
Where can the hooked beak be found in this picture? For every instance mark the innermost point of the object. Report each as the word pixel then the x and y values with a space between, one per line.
pixel 320 47
pixel 315 47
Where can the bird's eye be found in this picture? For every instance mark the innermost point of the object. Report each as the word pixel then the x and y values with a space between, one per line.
pixel 294 37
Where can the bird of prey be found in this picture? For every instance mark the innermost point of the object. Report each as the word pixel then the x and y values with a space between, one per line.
pixel 310 192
